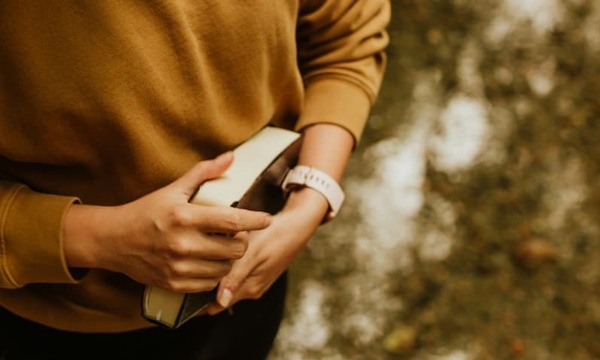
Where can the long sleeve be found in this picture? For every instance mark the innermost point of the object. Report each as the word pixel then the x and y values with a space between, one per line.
pixel 341 57
pixel 31 237
pixel 106 101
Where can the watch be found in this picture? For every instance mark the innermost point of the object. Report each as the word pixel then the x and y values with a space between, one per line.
pixel 315 179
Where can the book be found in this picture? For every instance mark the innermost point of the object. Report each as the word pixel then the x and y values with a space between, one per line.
pixel 253 181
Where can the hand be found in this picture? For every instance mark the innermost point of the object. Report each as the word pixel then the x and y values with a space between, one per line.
pixel 161 239
pixel 271 251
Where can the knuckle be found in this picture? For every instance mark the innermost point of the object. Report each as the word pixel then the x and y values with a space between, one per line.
pixel 177 248
pixel 172 285
pixel 255 291
pixel 238 249
pixel 178 216
pixel 176 270
pixel 233 221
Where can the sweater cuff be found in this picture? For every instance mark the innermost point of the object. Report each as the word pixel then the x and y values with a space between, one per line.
pixel 335 101
pixel 31 235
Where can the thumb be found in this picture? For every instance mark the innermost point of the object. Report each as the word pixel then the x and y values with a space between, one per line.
pixel 203 171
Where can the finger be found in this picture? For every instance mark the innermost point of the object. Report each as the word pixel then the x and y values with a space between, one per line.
pixel 199 269
pixel 191 285
pixel 228 220
pixel 232 282
pixel 213 247
pixel 189 182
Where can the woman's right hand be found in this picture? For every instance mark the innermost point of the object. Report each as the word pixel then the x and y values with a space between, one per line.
pixel 161 239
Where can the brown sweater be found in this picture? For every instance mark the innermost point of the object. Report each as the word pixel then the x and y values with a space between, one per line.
pixel 103 101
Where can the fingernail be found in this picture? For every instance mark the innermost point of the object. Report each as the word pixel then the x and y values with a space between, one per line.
pixel 225 298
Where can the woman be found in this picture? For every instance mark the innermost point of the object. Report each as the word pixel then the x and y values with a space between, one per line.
pixel 112 115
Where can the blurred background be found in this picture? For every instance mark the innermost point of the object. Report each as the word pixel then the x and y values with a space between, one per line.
pixel 471 225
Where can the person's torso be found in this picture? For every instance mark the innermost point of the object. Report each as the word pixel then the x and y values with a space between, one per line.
pixel 108 100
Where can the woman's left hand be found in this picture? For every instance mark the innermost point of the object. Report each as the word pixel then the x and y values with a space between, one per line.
pixel 271 250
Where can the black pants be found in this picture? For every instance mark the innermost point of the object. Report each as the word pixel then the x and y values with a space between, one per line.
pixel 246 333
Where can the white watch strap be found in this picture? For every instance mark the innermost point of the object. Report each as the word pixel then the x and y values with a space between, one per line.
pixel 302 175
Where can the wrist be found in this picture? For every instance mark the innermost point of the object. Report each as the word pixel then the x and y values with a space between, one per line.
pixel 306 177
pixel 81 229
pixel 308 201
